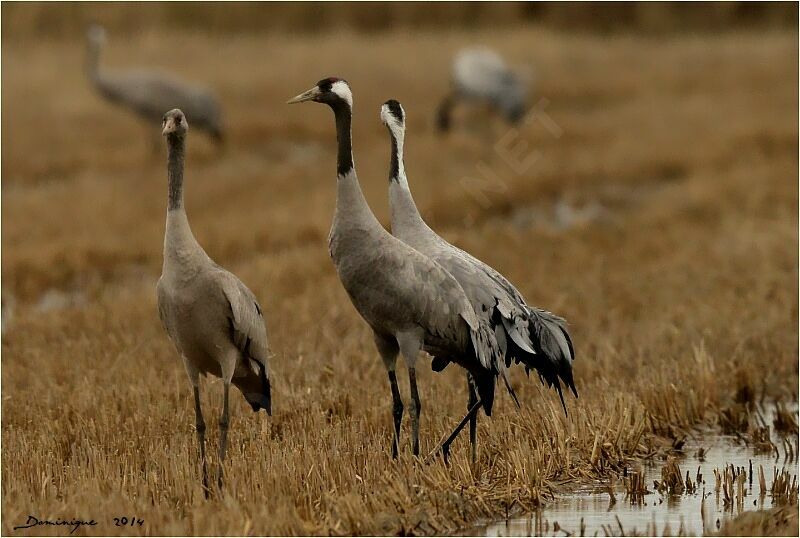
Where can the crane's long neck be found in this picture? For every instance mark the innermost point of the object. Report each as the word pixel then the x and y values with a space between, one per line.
pixel 397 169
pixel 405 215
pixel 344 137
pixel 351 206
pixel 175 159
pixel 180 246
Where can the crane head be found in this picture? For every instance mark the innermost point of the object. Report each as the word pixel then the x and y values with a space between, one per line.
pixel 392 112
pixel 330 91
pixel 393 117
pixel 174 123
pixel 96 34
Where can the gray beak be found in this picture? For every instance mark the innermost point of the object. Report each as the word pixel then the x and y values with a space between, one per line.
pixel 306 96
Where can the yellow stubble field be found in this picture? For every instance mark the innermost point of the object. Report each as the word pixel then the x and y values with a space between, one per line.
pixel 659 218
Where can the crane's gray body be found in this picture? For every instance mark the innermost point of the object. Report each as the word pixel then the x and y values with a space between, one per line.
pixel 400 293
pixel 490 293
pixel 532 336
pixel 211 316
pixel 150 93
pixel 480 74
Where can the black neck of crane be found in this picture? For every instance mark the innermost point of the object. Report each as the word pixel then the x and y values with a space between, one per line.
pixel 394 165
pixel 177 146
pixel 344 115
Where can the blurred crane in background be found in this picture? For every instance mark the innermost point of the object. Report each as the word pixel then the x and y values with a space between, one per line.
pixel 480 75
pixel 149 93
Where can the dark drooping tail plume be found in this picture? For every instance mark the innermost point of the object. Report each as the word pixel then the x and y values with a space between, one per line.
pixel 553 351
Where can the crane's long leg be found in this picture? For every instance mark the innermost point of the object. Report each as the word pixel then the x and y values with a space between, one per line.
pixel 388 349
pixel 228 365
pixel 223 432
pixel 410 343
pixel 200 425
pixel 397 412
pixel 416 407
pixel 473 420
pixel 446 445
pixel 444 112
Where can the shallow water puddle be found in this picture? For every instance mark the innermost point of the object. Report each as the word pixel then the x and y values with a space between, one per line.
pixel 592 513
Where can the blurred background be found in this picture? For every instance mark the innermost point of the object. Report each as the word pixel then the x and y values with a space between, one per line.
pixel 649 195
pixel 585 63
pixel 63 20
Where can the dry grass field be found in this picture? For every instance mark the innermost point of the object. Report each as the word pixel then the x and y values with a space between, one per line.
pixel 678 273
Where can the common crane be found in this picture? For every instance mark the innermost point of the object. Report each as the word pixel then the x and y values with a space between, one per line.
pixel 479 75
pixel 534 337
pixel 213 319
pixel 409 301
pixel 149 93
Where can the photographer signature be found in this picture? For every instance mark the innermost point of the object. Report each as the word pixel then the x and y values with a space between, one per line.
pixel 76 524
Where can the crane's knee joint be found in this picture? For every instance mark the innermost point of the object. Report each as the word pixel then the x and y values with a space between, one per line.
pixel 223 423
pixel 397 408
pixel 200 427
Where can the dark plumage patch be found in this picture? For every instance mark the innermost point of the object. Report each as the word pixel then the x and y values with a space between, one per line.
pixel 438 364
pixel 396 110
pixel 484 383
pixel 266 389
pixel 326 83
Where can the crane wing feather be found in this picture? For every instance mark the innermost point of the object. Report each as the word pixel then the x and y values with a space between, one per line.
pixel 248 331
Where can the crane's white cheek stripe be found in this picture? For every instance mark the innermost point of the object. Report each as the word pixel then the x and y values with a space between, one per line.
pixel 391 122
pixel 341 89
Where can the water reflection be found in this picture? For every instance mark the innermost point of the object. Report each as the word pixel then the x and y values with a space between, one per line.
pixel 592 513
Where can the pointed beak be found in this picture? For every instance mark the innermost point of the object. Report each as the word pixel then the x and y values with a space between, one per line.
pixel 306 96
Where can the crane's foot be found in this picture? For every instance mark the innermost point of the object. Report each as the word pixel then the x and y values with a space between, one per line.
pixel 443 448
pixel 445 445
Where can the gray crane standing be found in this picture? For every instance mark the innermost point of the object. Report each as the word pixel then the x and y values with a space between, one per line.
pixel 149 93
pixel 528 335
pixel 410 301
pixel 213 319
